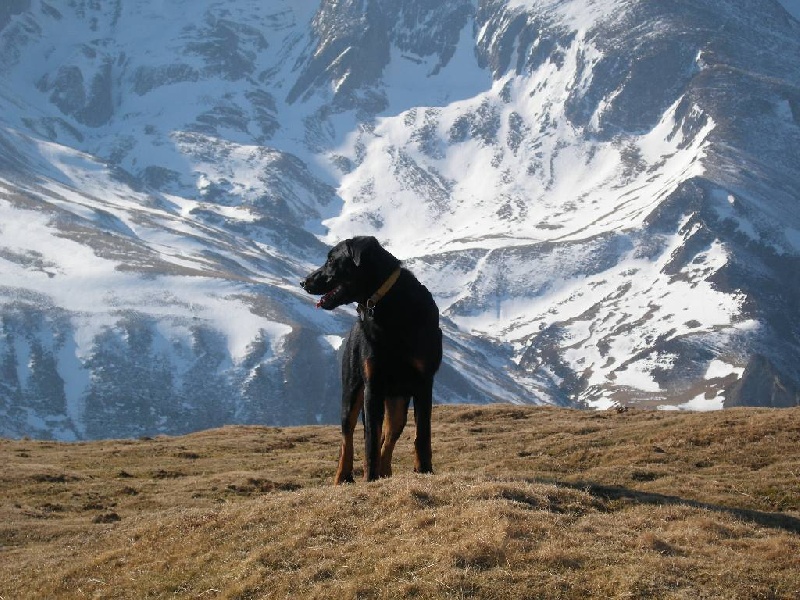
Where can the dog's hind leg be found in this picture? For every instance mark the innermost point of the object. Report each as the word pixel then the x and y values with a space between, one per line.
pixel 423 406
pixel 351 406
pixel 394 420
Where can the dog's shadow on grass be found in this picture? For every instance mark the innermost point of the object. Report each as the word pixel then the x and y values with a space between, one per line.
pixel 773 520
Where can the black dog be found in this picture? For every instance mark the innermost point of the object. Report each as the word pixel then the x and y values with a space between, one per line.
pixel 390 356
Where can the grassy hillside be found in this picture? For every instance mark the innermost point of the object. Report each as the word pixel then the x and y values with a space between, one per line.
pixel 525 503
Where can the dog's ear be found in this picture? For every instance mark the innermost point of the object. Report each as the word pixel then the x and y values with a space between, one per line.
pixel 361 246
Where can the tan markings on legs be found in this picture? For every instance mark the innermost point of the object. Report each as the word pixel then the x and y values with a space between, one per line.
pixel 394 420
pixel 345 471
pixel 369 367
pixel 368 372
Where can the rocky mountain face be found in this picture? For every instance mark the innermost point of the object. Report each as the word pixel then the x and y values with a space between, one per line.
pixel 601 194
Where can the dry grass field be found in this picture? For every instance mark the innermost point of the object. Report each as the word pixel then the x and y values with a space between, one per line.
pixel 525 503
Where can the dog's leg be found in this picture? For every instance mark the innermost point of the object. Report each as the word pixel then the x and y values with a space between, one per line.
pixel 423 405
pixel 373 419
pixel 351 406
pixel 394 420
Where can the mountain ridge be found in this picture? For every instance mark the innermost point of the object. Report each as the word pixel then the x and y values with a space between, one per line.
pixel 599 195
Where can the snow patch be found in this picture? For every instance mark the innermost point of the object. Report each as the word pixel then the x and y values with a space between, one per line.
pixel 719 369
pixel 334 341
pixel 698 404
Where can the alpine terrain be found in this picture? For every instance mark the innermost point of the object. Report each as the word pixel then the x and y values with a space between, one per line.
pixel 602 196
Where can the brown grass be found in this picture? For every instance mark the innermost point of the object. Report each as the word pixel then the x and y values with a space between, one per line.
pixel 525 503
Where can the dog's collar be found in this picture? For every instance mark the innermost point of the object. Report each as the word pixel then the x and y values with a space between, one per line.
pixel 368 310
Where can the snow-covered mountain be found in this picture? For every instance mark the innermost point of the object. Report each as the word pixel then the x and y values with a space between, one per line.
pixel 601 194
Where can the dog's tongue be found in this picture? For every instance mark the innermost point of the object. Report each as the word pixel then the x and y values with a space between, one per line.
pixel 322 300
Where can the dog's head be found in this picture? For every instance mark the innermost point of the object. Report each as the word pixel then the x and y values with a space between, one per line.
pixel 353 271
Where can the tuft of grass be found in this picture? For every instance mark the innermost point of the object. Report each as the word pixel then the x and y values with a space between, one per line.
pixel 526 502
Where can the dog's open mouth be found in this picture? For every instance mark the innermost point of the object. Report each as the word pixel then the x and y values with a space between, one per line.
pixel 331 299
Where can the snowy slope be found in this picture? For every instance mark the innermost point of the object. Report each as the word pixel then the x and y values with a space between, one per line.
pixel 552 182
pixel 600 193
